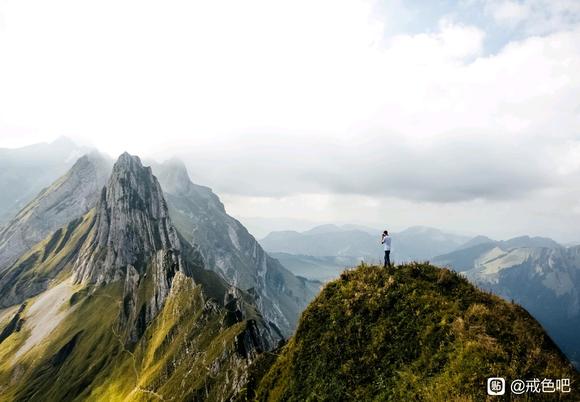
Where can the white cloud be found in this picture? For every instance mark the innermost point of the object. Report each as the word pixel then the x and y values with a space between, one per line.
pixel 275 100
pixel 538 17
pixel 508 12
pixel 452 42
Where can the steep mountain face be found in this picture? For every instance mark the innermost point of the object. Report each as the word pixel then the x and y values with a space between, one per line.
pixel 119 307
pixel 132 235
pixel 415 333
pixel 132 225
pixel 68 198
pixel 24 172
pixel 546 281
pixel 230 250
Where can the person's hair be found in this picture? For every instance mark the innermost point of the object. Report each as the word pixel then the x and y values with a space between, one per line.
pixel 386 232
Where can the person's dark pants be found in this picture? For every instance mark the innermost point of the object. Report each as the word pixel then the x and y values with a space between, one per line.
pixel 387 258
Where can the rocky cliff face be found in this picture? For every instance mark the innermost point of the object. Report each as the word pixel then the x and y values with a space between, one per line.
pixel 132 226
pixel 70 197
pixel 230 250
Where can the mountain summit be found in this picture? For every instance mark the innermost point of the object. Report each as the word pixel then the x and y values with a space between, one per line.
pixel 132 225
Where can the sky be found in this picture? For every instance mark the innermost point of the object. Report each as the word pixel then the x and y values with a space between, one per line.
pixel 463 115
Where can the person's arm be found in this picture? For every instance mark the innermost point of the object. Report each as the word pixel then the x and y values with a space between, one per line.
pixel 383 239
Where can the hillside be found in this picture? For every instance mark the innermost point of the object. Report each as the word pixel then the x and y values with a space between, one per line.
pixel 414 333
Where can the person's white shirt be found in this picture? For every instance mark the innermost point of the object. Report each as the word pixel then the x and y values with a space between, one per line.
pixel 387 242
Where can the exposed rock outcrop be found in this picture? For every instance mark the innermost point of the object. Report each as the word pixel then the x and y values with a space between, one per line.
pixel 132 237
pixel 132 225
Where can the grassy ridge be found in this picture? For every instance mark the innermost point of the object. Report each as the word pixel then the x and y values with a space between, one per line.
pixel 415 332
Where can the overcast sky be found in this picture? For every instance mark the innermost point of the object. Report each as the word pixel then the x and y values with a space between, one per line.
pixel 464 115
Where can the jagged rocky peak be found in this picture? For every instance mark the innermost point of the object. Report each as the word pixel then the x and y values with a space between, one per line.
pixel 131 225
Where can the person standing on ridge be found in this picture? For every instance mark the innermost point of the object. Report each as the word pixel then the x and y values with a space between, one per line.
pixel 386 241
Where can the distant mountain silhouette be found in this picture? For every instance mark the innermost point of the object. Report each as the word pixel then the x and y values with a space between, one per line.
pixel 360 243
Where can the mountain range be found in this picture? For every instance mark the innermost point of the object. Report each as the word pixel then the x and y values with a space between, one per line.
pixel 536 272
pixel 361 243
pixel 118 304
pixel 225 244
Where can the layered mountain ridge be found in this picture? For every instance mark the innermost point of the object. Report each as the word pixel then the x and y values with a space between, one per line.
pixel 360 243
pixel 156 293
pixel 199 215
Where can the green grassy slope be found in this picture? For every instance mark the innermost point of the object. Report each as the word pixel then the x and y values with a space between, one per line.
pixel 413 333
pixel 49 259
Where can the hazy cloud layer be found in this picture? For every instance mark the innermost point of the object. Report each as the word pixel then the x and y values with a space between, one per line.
pixel 495 127
pixel 278 105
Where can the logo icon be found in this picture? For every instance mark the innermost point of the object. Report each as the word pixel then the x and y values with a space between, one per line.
pixel 496 386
